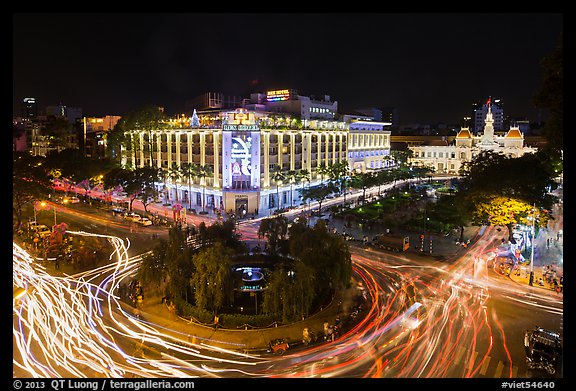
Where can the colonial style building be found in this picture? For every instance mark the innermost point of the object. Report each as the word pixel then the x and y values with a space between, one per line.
pixel 244 148
pixel 448 158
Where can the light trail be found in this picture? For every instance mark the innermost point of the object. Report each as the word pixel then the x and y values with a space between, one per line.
pixel 420 321
pixel 70 326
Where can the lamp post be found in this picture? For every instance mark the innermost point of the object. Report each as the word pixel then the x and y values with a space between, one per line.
pixel 531 281
pixel 43 204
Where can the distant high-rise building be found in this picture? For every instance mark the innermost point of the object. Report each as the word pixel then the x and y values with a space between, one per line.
pixel 390 114
pixel 373 112
pixel 481 110
pixel 29 108
pixel 60 110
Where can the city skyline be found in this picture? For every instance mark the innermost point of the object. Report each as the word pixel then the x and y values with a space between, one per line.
pixel 431 67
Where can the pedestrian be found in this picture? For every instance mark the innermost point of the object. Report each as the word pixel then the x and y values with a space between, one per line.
pixel 527 343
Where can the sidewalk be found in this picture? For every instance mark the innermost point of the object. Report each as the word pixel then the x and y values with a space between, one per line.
pixel 251 340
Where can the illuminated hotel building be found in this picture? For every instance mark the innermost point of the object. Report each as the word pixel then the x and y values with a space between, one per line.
pixel 243 147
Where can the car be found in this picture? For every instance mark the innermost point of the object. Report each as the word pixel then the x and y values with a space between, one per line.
pixel 278 346
pixel 118 209
pixel 132 216
pixel 32 225
pixel 144 221
pixel 42 230
pixel 70 200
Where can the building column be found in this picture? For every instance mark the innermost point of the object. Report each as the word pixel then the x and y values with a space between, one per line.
pixel 307 152
pixel 292 150
pixel 326 145
pixel 189 136
pixel 159 151
pixel 177 141
pixel 169 148
pixel 280 137
pixel 202 148
pixel 141 143
pixel 132 150
pixel 266 152
pixel 216 180
pixel 333 137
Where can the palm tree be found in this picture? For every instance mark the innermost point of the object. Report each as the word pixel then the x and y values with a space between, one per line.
pixel 291 176
pixel 175 173
pixel 322 169
pixel 303 175
pixel 190 171
pixel 278 177
pixel 339 173
pixel 204 172
pixel 163 175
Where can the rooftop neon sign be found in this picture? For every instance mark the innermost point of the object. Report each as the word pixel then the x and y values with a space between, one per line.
pixel 277 95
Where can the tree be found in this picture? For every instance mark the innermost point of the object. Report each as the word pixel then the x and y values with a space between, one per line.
pixel 402 157
pixel 275 230
pixel 290 291
pixel 147 119
pixel 211 279
pixel 204 172
pixel 339 173
pixel 277 177
pixel 30 181
pixel 318 193
pixel 496 174
pixel 163 175
pixel 190 171
pixel 279 294
pixel 153 268
pixel 451 213
pixel 175 174
pixel 179 267
pixel 551 96
pixel 364 181
pixel 322 170
pixel 138 183
pixel 291 176
pixel 326 253
pixel 303 176
pixel 497 189
pixel 507 212
pixel 147 177
pixel 57 129
pixel 74 166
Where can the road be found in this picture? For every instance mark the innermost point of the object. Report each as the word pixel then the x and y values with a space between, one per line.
pixel 424 319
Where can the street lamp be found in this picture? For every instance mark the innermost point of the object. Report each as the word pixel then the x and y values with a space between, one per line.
pixel 43 205
pixel 531 281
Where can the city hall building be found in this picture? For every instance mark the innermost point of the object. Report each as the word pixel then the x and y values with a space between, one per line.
pixel 444 158
pixel 244 147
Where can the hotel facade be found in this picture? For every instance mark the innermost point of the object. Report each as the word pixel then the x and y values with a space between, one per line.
pixel 243 148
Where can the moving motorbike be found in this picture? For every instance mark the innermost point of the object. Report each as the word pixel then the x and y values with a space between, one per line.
pixel 543 349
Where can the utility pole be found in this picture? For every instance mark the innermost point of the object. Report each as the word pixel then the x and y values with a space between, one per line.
pixel 531 281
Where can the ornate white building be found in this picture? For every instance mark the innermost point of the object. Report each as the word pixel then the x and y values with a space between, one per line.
pixel 449 158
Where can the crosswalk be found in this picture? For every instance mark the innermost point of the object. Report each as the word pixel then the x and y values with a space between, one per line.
pixel 491 367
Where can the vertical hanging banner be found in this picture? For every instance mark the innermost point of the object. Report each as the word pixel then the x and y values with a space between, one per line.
pixel 241 151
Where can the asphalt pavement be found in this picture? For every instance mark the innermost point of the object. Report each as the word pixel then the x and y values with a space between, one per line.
pixel 548 253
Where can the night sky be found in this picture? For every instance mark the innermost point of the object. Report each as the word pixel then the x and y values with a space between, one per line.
pixel 432 67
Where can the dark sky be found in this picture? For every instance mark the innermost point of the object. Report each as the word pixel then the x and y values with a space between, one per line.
pixel 432 67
